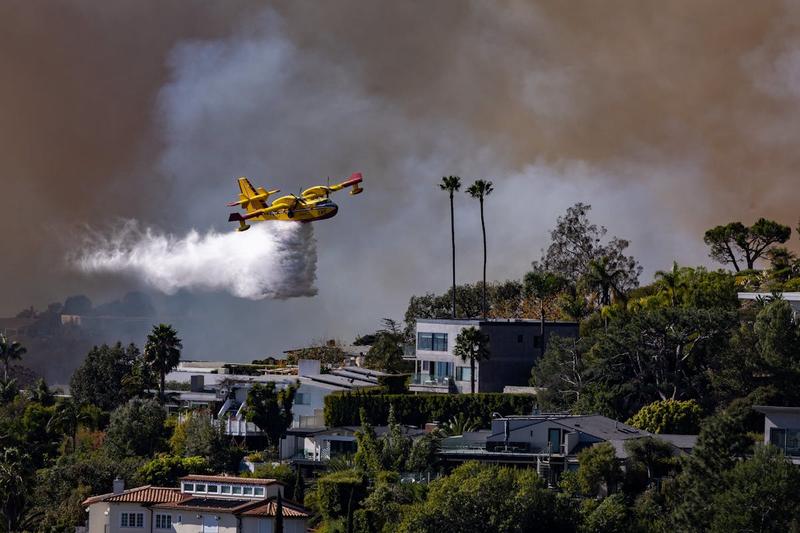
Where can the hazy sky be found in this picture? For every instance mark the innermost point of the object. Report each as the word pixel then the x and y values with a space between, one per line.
pixel 667 117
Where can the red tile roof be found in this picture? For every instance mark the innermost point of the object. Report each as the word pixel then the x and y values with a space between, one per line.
pixel 269 508
pixel 230 479
pixel 146 494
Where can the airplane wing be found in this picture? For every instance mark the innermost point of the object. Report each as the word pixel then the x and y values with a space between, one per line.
pixel 321 190
pixel 250 198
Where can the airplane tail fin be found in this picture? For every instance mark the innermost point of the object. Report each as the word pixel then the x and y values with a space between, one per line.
pixel 251 198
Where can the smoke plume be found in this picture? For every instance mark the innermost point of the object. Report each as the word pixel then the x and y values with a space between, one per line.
pixel 268 261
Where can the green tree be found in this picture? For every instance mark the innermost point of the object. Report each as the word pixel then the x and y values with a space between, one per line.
pixel 473 346
pixel 136 429
pixel 386 352
pixel 100 378
pixel 723 440
pixel 368 448
pixel 481 497
pixel 299 491
pixel 396 445
pixel 612 515
pixel 735 242
pixel 163 352
pixel 564 372
pixel 271 410
pixel 605 280
pixel 68 418
pixel 575 242
pixel 41 393
pixel 165 470
pixel 15 481
pixel 423 457
pixel 10 351
pixel 452 184
pixel 544 287
pixel 480 190
pixel 201 437
pixel 669 416
pixel 760 495
pixel 599 469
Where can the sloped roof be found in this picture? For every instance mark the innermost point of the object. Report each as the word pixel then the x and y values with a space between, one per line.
pixel 146 494
pixel 269 508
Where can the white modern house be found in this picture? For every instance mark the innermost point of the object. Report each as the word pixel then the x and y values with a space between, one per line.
pixel 202 504
pixel 514 347
pixel 782 429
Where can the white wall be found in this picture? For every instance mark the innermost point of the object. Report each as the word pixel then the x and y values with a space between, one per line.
pixel 252 524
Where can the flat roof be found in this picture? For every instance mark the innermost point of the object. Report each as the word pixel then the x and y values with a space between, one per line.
pixel 494 321
pixel 770 409
pixel 789 296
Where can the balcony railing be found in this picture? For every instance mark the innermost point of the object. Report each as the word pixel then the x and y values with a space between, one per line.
pixel 427 379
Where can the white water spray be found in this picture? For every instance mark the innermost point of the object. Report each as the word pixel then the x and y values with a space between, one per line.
pixel 271 260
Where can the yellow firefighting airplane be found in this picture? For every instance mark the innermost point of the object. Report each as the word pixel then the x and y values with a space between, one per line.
pixel 313 204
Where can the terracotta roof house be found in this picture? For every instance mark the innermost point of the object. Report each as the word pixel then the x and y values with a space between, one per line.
pixel 207 504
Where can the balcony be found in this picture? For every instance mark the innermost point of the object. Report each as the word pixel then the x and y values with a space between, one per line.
pixel 426 382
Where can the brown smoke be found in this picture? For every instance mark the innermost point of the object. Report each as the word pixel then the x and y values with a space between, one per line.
pixel 668 117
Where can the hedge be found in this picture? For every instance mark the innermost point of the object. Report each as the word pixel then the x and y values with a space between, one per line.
pixel 338 491
pixel 342 408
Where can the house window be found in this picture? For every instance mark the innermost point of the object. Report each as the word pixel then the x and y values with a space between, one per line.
pixel 132 520
pixel 188 487
pixel 788 440
pixel 463 373
pixel 300 399
pixel 258 491
pixel 212 488
pixel 200 488
pixel 225 489
pixel 247 491
pixel 237 490
pixel 444 370
pixel 163 521
pixel 436 342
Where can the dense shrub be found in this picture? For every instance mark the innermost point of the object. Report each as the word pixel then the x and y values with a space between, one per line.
pixel 343 409
pixel 669 416
pixel 340 492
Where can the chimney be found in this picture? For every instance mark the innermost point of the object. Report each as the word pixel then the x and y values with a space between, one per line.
pixel 198 384
pixel 308 367
pixel 119 486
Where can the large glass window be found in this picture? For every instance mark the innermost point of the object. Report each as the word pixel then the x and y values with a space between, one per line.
pixel 436 342
pixel 132 520
pixel 463 373
pixel 444 369
pixel 787 440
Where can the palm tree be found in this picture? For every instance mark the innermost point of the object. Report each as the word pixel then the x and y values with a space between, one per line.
pixel 604 279
pixel 41 393
pixel 480 190
pixel 68 418
pixel 452 184
pixel 543 286
pixel 163 352
pixel 671 281
pixel 9 351
pixel 472 345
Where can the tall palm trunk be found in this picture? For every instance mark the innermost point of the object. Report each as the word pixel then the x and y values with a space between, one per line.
pixel 453 241
pixel 472 375
pixel 163 386
pixel 483 292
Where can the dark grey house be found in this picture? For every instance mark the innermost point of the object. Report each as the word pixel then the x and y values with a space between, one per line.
pixel 514 347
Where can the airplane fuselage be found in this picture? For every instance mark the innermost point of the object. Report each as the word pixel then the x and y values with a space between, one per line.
pixel 293 211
